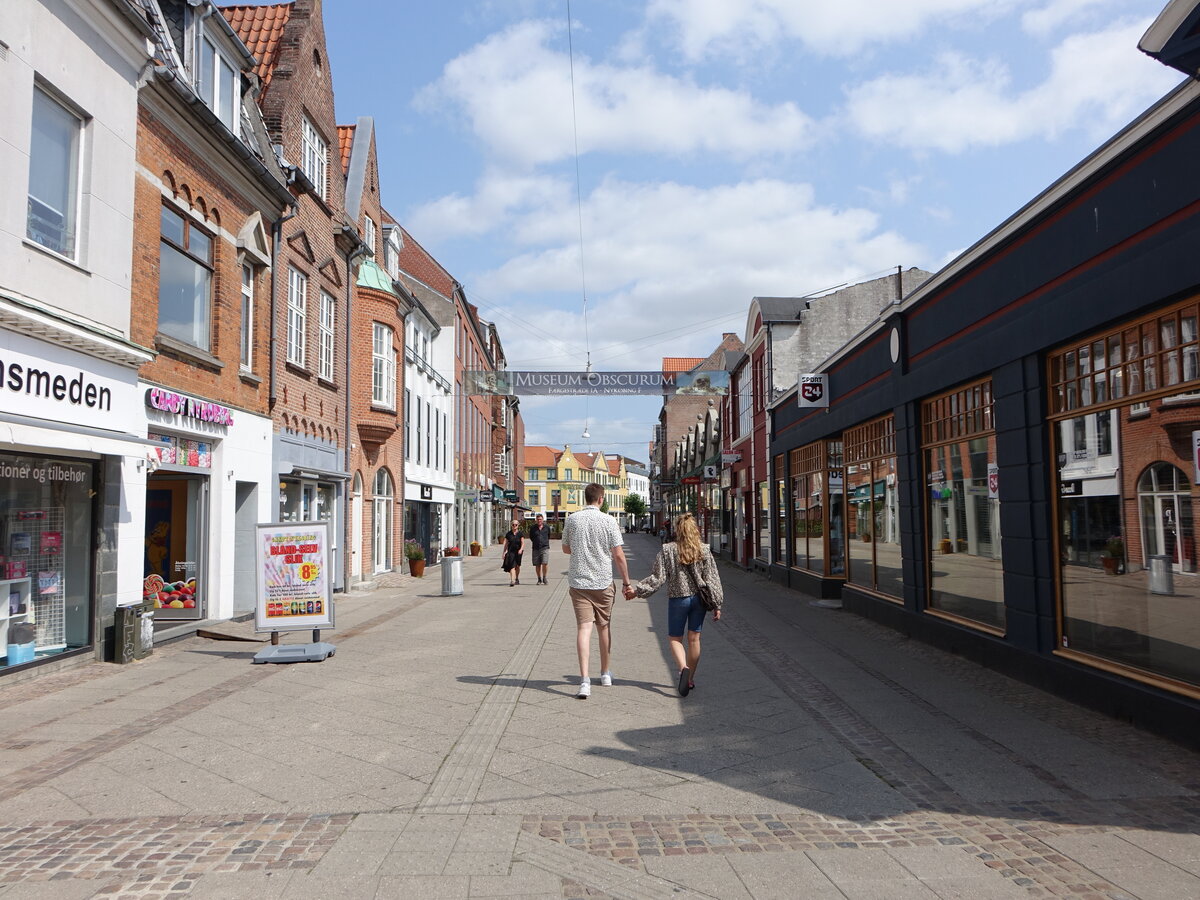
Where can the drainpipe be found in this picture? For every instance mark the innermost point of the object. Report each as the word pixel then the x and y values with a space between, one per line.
pixel 276 243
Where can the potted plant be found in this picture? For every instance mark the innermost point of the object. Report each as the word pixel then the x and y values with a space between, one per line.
pixel 450 551
pixel 1113 555
pixel 476 548
pixel 415 554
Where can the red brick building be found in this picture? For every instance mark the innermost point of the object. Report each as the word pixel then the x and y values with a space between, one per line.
pixel 375 387
pixel 207 194
pixel 317 250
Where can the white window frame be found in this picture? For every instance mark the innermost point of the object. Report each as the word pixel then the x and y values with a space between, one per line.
pixel 383 366
pixel 208 84
pixel 417 415
pixel 325 331
pixel 392 242
pixel 68 229
pixel 247 336
pixel 369 233
pixel 382 511
pixel 297 316
pixel 198 328
pixel 315 160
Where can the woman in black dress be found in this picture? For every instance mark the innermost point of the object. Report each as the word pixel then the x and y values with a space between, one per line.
pixel 514 546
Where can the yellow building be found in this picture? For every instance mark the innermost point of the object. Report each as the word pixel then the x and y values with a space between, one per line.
pixel 549 470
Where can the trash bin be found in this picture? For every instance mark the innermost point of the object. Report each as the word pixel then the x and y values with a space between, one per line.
pixel 452 576
pixel 1162 578
pixel 133 628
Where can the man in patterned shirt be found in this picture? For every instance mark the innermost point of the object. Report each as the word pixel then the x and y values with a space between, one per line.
pixel 593 542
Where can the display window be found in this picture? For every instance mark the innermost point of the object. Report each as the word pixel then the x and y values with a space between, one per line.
pixel 46 556
pixel 174 581
pixel 779 539
pixel 1126 430
pixel 873 508
pixel 815 488
pixel 962 506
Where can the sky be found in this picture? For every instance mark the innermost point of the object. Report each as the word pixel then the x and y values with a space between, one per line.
pixel 620 190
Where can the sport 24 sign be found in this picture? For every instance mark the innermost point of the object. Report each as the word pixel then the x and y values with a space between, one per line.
pixel 813 392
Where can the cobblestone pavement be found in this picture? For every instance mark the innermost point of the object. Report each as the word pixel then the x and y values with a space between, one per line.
pixel 441 753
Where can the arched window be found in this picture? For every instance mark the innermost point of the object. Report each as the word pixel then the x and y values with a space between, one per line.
pixel 382 507
pixel 1165 509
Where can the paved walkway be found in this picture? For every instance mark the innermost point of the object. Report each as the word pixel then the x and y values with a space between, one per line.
pixel 441 753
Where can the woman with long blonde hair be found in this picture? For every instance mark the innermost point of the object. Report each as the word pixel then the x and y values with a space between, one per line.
pixel 682 564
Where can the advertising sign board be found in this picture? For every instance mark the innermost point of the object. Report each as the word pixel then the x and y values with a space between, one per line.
pixel 293 573
pixel 813 392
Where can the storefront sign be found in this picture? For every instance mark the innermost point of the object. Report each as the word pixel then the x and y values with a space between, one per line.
pixel 1070 488
pixel 45 381
pixel 189 407
pixel 485 495
pixel 427 492
pixel 510 496
pixel 993 490
pixel 813 392
pixel 294 587
pixel 731 457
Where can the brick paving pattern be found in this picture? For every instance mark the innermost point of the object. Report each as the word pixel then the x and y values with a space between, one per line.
pixel 163 855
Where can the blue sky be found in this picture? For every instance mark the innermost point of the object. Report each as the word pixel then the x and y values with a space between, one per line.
pixel 727 149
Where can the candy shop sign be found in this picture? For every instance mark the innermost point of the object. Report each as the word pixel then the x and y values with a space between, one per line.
pixel 189 407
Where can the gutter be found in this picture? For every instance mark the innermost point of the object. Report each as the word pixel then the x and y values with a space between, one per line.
pixel 265 177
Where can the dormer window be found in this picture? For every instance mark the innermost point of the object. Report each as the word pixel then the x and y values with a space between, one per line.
pixel 217 83
pixel 391 250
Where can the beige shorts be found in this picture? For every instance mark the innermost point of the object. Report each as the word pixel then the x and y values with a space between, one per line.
pixel 593 606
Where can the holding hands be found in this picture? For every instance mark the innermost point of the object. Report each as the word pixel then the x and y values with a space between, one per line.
pixel 629 592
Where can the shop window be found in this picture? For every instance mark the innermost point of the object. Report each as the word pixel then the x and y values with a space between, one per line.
pixel 185 264
pixel 873 508
pixel 816 497
pixel 963 506
pixel 780 511
pixel 45 557
pixel 54 160
pixel 1125 511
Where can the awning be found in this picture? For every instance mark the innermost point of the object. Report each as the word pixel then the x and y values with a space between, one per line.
pixel 42 433
pixel 315 473
pixel 860 494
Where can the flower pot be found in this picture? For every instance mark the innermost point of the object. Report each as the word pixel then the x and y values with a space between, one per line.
pixel 416 568
pixel 1111 564
pixel 477 551
pixel 945 546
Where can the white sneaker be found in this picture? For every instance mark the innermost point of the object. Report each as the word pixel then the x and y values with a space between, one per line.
pixel 585 689
pixel 606 679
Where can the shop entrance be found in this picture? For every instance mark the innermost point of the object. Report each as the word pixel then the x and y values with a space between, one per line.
pixel 176 545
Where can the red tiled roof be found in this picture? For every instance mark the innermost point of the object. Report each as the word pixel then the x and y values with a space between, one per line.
pixel 588 460
pixel 614 466
pixel 541 457
pixel 345 144
pixel 681 363
pixel 261 30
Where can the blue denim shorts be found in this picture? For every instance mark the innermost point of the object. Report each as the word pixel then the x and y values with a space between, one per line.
pixel 683 611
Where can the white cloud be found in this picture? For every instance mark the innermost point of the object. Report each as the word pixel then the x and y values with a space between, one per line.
pixel 738 27
pixel 1056 13
pixel 499 196
pixel 516 93
pixel 673 263
pixel 1096 82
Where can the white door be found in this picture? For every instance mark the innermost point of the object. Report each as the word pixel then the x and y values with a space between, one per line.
pixel 356 529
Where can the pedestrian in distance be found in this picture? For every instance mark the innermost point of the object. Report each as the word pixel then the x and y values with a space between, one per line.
pixel 539 540
pixel 514 547
pixel 592 540
pixel 682 565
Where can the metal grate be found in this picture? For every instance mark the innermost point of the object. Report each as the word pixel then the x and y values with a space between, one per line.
pixel 43 555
